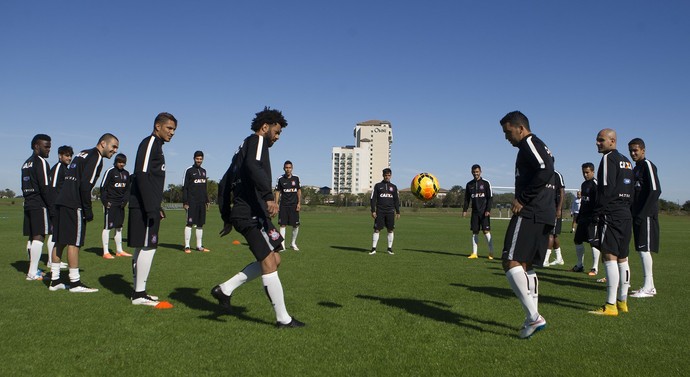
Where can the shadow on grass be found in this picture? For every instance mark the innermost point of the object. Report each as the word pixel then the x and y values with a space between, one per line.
pixel 173 246
pixel 437 252
pixel 93 250
pixel 329 304
pixel 21 266
pixel 507 293
pixel 350 248
pixel 437 311
pixel 565 278
pixel 191 298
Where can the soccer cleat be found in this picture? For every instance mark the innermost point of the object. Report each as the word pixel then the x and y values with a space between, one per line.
pixel 79 287
pixel 490 257
pixel 372 252
pixel 577 269
pixel 223 299
pixel 123 254
pixel 622 306
pixel 294 247
pixel 37 277
pixel 202 249
pixel 528 329
pixel 108 256
pixel 602 280
pixel 473 256
pixel 293 323
pixel 557 262
pixel 145 300
pixel 187 250
pixel 57 286
pixel 390 251
pixel 593 272
pixel 643 293
pixel 608 310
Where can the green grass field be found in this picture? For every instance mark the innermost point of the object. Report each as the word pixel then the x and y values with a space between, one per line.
pixel 427 310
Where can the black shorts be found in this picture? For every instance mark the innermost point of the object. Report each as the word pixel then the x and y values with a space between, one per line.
pixel 288 215
pixel 142 231
pixel 70 227
pixel 613 236
pixel 261 235
pixel 646 232
pixel 479 220
pixel 196 214
pixel 526 241
pixel 557 228
pixel 585 232
pixel 36 222
pixel 113 217
pixel 386 220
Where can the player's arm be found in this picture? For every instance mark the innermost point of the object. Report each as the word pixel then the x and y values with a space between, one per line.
pixel 373 201
pixel 541 163
pixel 105 182
pixel 89 175
pixel 256 148
pixel 489 199
pixel 466 203
pixel 396 201
pixel 145 178
pixel 185 188
pixel 653 189
pixel 44 183
pixel 128 190
pixel 606 188
pixel 276 192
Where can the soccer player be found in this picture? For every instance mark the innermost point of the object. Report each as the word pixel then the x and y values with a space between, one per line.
pixel 645 212
pixel 575 210
pixel 288 194
pixel 114 196
pixel 533 217
pixel 586 227
pixel 554 241
pixel 615 180
pixel 195 202
pixel 38 203
pixel 75 210
pixel 385 208
pixel 57 177
pixel 478 191
pixel 145 212
pixel 248 184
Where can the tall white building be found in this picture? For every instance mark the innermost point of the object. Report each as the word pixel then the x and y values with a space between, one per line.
pixel 356 168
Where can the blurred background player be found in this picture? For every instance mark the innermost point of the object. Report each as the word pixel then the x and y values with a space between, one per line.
pixel 575 210
pixel 246 202
pixel 57 177
pixel 114 196
pixel 288 194
pixel 586 227
pixel 528 232
pixel 645 212
pixel 385 208
pixel 554 241
pixel 75 210
pixel 38 202
pixel 478 191
pixel 195 202
pixel 614 196
pixel 145 212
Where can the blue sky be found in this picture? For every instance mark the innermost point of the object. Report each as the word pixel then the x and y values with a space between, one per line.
pixel 442 72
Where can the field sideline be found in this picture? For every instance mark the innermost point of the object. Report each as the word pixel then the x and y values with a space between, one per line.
pixel 427 310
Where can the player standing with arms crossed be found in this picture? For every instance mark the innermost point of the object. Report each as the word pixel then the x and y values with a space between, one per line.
pixel 288 194
pixel 478 191
pixel 195 202
pixel 533 217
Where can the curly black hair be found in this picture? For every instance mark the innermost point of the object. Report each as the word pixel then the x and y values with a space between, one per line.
pixel 268 116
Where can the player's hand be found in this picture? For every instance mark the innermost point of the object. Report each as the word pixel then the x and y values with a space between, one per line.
pixel 487 214
pixel 108 205
pixel 397 216
pixel 162 213
pixel 464 213
pixel 88 214
pixel 272 208
pixel 373 214
pixel 227 228
pixel 299 206
pixel 516 207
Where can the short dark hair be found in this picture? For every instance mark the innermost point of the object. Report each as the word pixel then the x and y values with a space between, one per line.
pixel 163 118
pixel 287 162
pixel 515 118
pixel 476 166
pixel 120 158
pixel 66 150
pixel 387 171
pixel 38 137
pixel 198 153
pixel 268 116
pixel 107 137
pixel 588 165
pixel 637 141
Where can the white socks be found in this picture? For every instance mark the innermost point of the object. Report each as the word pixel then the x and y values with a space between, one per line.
pixel 595 258
pixel 548 256
pixel 105 237
pixel 612 280
pixel 490 242
pixel 141 266
pixel 73 274
pixel 647 263
pixel 295 231
pixel 250 272
pixel 118 240
pixel 533 283
pixel 274 290
pixel 51 246
pixel 187 235
pixel 475 240
pixel 580 251
pixel 559 257
pixel 391 237
pixel 520 284
pixel 199 237
pixel 375 240
pixel 34 256
pixel 624 272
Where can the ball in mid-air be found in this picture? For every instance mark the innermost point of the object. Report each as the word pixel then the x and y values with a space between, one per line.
pixel 424 186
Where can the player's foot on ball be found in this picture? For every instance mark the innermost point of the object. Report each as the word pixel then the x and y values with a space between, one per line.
pixel 187 250
pixel 79 287
pixel 203 249
pixel 372 252
pixel 223 299
pixel 108 256
pixel 473 256
pixel 293 323
pixel 123 254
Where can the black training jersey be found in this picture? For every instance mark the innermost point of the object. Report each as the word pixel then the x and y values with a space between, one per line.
pixel 57 178
pixel 647 190
pixel 115 187
pixel 288 188
pixel 479 193
pixel 254 185
pixel 148 180
pixel 384 198
pixel 615 180
pixel 194 189
pixel 534 180
pixel 558 184
pixel 80 178
pixel 588 198
pixel 36 183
